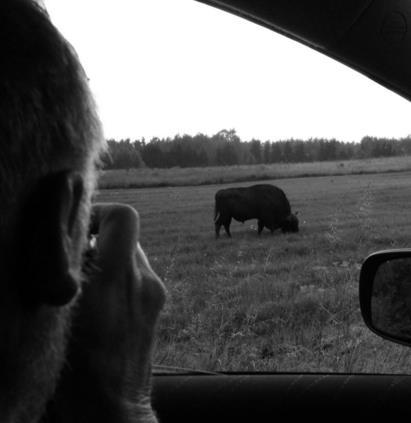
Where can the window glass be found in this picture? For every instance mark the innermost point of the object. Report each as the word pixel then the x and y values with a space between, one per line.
pixel 194 100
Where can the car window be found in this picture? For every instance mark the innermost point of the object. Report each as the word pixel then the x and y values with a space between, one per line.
pixel 195 100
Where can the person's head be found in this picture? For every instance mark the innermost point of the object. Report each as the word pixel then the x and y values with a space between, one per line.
pixel 290 224
pixel 50 141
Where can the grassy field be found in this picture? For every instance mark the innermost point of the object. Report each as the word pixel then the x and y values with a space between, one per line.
pixel 278 303
pixel 143 178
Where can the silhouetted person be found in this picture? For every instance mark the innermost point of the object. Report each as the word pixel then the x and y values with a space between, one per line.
pixel 76 329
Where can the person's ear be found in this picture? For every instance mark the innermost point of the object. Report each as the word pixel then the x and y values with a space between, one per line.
pixel 48 274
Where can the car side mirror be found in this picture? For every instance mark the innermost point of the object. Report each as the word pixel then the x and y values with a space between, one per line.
pixel 385 294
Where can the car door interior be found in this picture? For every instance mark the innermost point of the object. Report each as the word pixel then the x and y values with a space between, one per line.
pixel 372 37
pixel 266 397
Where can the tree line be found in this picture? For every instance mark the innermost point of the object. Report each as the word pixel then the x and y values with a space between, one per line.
pixel 225 148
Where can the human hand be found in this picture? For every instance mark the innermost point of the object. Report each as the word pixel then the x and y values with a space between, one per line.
pixel 107 376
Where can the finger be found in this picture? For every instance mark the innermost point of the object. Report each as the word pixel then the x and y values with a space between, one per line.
pixel 118 232
pixel 101 212
pixel 153 290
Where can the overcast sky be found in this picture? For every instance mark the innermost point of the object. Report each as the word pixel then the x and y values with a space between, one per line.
pixel 167 67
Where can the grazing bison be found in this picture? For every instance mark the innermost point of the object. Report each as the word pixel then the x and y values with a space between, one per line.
pixel 266 203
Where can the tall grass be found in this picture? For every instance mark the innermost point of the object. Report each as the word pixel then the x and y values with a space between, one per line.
pixel 273 303
pixel 141 178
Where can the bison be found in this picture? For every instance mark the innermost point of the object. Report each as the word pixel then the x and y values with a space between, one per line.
pixel 266 203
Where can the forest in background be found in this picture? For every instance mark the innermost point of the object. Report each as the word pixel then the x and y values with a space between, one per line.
pixel 225 148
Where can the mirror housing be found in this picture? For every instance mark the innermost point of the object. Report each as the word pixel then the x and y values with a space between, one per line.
pixel 385 294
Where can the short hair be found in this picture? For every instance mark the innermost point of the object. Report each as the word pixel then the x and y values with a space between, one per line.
pixel 48 120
